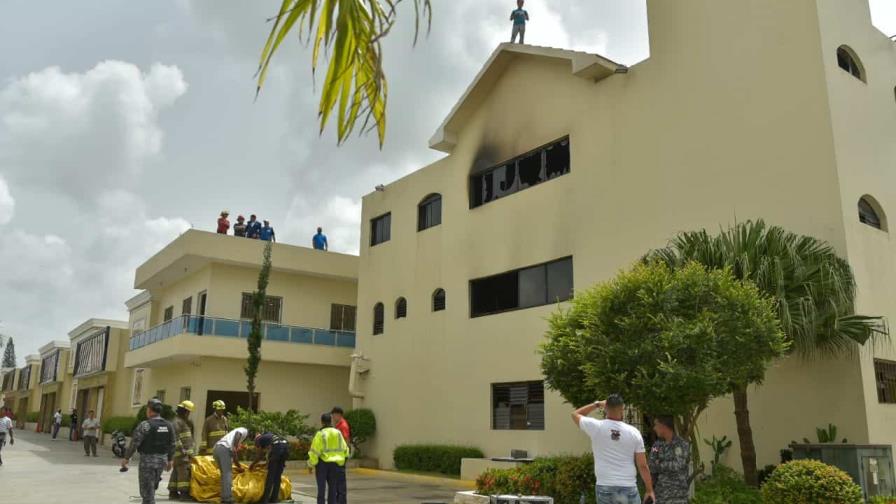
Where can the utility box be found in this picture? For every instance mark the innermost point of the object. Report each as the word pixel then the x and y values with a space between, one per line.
pixel 871 466
pixel 517 499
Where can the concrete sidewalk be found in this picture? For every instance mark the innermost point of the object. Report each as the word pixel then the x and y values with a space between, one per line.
pixel 38 470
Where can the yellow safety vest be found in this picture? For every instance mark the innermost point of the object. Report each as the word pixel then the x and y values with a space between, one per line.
pixel 328 446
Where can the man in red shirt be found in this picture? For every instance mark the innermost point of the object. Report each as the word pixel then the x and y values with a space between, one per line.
pixel 223 223
pixel 340 424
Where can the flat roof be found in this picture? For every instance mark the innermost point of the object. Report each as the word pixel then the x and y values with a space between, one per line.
pixel 195 249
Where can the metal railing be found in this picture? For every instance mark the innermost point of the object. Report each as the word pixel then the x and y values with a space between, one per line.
pixel 212 326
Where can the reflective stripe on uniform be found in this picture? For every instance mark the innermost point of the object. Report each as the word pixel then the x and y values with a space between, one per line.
pixel 217 433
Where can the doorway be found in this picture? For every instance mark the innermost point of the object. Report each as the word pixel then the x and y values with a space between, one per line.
pixel 47 409
pixel 200 310
pixel 232 399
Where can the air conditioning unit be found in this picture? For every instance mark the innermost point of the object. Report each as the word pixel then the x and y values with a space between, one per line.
pixel 520 499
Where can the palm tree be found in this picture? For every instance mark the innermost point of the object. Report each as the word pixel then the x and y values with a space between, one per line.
pixel 813 287
pixel 350 32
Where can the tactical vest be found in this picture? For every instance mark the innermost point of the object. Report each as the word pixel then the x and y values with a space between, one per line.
pixel 159 439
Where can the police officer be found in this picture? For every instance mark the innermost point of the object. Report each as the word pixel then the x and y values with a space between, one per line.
pixel 179 483
pixel 215 427
pixel 327 454
pixel 154 440
pixel 277 450
pixel 669 460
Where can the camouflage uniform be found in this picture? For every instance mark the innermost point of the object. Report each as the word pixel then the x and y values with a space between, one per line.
pixel 154 440
pixel 179 482
pixel 669 463
pixel 212 431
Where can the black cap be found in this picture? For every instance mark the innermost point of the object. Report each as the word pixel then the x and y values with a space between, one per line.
pixel 615 400
pixel 155 405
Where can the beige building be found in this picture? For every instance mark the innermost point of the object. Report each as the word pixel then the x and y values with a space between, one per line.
pixel 25 397
pixel 563 167
pixel 190 323
pixel 53 382
pixel 97 376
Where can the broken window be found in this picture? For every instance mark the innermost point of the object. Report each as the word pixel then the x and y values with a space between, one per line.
pixel 523 288
pixel 532 168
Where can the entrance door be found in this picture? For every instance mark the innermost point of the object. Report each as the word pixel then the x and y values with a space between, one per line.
pixel 232 399
pixel 200 310
pixel 47 409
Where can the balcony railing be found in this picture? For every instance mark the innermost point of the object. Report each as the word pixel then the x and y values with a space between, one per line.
pixel 228 328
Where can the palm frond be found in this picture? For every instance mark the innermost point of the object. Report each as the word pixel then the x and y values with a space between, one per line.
pixel 350 32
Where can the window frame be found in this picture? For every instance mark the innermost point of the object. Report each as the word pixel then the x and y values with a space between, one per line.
pixel 341 312
pixel 379 318
pixel 401 308
pixel 386 217
pixel 542 426
pixel 244 307
pixel 475 184
pixel 875 208
pixel 516 272
pixel 886 387
pixel 426 215
pixel 854 65
pixel 168 314
pixel 435 295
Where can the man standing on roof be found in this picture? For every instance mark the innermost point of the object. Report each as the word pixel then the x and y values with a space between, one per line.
pixel 215 427
pixel 223 223
pixel 319 240
pixel 253 227
pixel 267 232
pixel 519 17
pixel 239 229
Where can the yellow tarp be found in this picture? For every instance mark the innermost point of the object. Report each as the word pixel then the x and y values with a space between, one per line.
pixel 205 482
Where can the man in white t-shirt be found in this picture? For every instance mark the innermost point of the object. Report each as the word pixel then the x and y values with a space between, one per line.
pixel 618 450
pixel 226 453
pixel 5 431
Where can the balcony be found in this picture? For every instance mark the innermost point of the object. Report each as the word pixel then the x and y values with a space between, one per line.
pixel 191 336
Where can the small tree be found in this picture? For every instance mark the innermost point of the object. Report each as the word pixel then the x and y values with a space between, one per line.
pixel 9 355
pixel 362 423
pixel 255 335
pixel 667 340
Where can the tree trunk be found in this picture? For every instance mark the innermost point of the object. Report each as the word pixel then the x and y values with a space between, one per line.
pixel 251 388
pixel 745 435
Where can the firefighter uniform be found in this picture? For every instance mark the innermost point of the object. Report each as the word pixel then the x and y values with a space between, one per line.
pixel 154 440
pixel 215 428
pixel 184 450
pixel 328 454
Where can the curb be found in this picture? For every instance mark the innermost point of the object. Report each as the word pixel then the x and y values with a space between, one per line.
pixel 415 478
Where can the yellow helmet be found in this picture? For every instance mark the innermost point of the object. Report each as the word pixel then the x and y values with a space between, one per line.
pixel 219 405
pixel 187 405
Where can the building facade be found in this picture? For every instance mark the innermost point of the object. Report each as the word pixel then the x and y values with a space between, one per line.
pixel 190 322
pixel 99 380
pixel 563 167
pixel 53 382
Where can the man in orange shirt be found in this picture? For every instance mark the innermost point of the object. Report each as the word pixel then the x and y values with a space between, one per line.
pixel 341 425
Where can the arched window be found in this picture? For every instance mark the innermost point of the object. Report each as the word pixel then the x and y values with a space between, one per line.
pixel 401 308
pixel 429 212
pixel 438 300
pixel 379 315
pixel 871 214
pixel 849 62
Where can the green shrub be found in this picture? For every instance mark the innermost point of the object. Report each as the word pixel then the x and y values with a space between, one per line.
pixel 32 416
pixel 725 486
pixel 444 459
pixel 66 421
pixel 290 423
pixel 124 424
pixel 765 472
pixel 882 500
pixel 362 423
pixel 810 482
pixel 565 478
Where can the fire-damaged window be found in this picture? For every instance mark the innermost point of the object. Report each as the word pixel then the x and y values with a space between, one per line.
pixel 90 354
pixel 518 406
pixel 523 288
pixel 532 168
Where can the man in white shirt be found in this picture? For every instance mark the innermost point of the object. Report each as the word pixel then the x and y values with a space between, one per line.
pixel 226 453
pixel 5 430
pixel 618 449
pixel 57 422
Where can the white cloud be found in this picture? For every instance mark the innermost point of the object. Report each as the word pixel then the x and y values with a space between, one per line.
pixel 339 216
pixel 79 132
pixel 7 203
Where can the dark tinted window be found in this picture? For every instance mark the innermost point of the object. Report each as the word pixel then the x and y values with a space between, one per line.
pixel 379 316
pixel 868 215
pixel 429 212
pixel 342 317
pixel 523 288
pixel 518 406
pixel 270 313
pixel 438 300
pixel 381 229
pixel 401 308
pixel 849 62
pixel 520 173
pixel 885 377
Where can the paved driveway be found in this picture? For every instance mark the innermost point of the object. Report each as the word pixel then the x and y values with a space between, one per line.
pixel 38 470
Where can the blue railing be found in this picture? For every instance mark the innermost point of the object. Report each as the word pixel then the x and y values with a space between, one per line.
pixel 228 328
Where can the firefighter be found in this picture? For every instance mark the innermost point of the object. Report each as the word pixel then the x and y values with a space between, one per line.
pixel 154 440
pixel 179 483
pixel 216 426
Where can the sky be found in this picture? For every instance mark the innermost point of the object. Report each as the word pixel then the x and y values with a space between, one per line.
pixel 120 128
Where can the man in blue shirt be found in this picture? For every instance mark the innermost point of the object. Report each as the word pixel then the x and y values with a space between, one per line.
pixel 267 232
pixel 519 18
pixel 320 240
pixel 253 228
